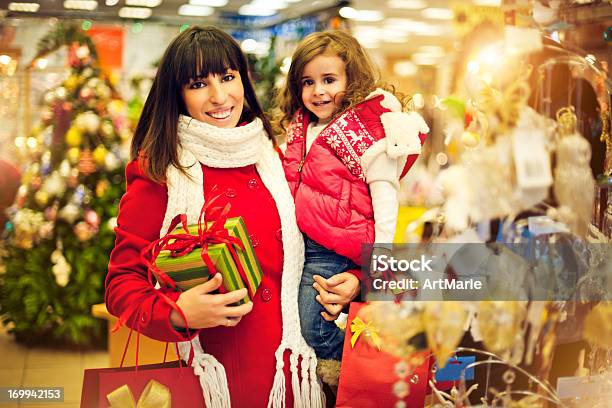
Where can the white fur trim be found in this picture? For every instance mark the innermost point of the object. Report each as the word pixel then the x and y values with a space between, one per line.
pixel 233 148
pixel 389 101
pixel 402 132
pixel 369 155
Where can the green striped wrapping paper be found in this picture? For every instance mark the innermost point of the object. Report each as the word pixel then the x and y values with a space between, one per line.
pixel 190 270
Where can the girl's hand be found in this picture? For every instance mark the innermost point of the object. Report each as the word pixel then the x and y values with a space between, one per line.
pixel 204 310
pixel 335 293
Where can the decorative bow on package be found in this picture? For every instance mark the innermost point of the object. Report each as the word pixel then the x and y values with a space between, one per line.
pixel 155 395
pixel 192 254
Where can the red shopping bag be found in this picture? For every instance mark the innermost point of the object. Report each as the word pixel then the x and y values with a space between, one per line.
pixel 368 376
pixel 183 384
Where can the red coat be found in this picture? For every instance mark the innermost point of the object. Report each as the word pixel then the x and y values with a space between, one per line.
pixel 247 350
pixel 332 198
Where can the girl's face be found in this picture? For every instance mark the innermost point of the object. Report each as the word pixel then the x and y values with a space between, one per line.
pixel 217 99
pixel 323 82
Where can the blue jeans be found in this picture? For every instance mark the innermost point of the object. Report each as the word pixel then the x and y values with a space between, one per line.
pixel 325 337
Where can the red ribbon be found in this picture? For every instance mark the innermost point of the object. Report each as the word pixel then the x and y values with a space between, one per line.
pixel 181 244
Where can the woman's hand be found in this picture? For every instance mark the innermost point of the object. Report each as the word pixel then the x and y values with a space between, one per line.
pixel 203 309
pixel 335 293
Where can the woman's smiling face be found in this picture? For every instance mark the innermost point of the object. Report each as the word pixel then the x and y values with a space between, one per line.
pixel 217 99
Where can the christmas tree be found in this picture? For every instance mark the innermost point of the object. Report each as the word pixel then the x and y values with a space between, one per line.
pixel 60 232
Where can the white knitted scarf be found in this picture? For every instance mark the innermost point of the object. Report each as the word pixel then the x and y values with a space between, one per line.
pixel 232 148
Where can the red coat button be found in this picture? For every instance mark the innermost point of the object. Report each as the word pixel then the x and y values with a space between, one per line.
pixel 253 184
pixel 279 234
pixel 266 295
pixel 254 240
pixel 230 193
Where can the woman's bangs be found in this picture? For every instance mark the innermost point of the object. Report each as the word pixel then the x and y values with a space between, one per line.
pixel 205 56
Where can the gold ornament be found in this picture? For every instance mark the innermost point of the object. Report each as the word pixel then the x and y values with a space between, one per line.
pixel 107 129
pixel 499 324
pixel 74 137
pixel 574 186
pixel 444 325
pixel 99 154
pixel 73 154
pixel 71 82
pixel 41 197
pixel 102 188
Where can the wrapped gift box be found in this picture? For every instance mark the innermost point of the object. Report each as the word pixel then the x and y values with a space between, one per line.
pixel 190 269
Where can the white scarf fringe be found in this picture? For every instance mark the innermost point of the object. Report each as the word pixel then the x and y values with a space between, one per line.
pixel 234 148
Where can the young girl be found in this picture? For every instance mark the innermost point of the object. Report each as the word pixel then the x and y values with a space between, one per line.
pixel 348 145
pixel 202 132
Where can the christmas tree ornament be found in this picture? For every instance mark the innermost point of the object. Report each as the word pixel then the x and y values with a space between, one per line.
pixel 49 97
pixel 60 93
pixel 54 184
pixel 74 136
pixel 88 122
pixel 444 326
pixel 574 185
pixel 499 324
pixel 64 168
pixel 83 231
pixel 111 162
pixel 71 82
pixel 92 218
pixel 107 129
pixel 99 155
pixel 61 268
pixel 41 197
pixel 46 230
pixel 51 211
pixel 86 93
pixel 69 213
pixel 102 187
pixel 73 154
pixel 86 164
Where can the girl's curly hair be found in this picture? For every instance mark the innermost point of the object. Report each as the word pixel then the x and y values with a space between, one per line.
pixel 361 76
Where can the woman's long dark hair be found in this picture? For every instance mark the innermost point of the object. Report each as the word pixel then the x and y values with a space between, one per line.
pixel 195 53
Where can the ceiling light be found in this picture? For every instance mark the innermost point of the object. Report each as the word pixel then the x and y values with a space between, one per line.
pixel 196 11
pixel 143 3
pixel 361 15
pixel 111 3
pixel 135 12
pixel 24 7
pixel 347 12
pixel 251 10
pixel 88 5
pixel 270 5
pixel 5 59
pixel 407 4
pixel 438 13
pixel 208 3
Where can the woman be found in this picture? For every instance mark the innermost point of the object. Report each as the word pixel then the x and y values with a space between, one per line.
pixel 203 129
